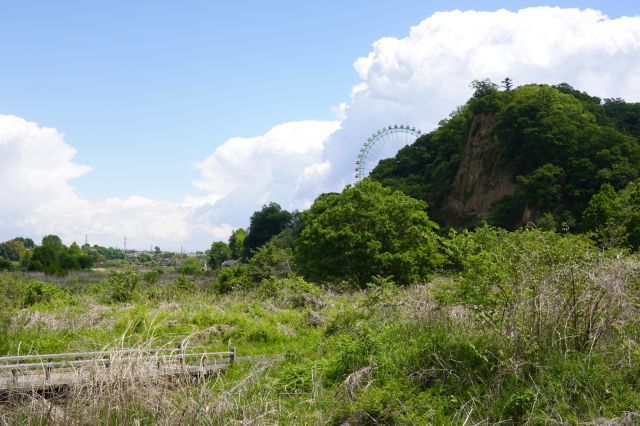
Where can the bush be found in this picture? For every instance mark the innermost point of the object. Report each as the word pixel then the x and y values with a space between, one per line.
pixel 5 265
pixel 122 285
pixel 151 277
pixel 539 288
pixel 18 293
pixel 268 262
pixel 232 278
pixel 181 285
pixel 191 266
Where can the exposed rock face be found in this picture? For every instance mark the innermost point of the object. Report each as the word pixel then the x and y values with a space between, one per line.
pixel 482 178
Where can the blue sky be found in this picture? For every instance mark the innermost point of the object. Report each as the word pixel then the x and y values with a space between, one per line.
pixel 145 90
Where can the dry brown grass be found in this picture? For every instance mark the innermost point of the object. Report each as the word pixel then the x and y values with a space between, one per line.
pixel 126 393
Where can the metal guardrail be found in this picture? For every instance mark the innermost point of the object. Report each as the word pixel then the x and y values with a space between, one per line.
pixel 163 356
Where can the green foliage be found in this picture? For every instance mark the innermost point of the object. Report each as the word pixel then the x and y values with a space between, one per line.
pixel 38 292
pixel 191 266
pixel 53 258
pixel 555 142
pixel 623 116
pixel 269 262
pixel 545 289
pixel 613 218
pixel 236 243
pixel 144 258
pixel 232 278
pixel 365 231
pixel 19 293
pixel 181 285
pixel 264 224
pixel 99 253
pixel 542 187
pixel 506 212
pixel 601 209
pixel 559 145
pixel 13 249
pixel 5 264
pixel 151 277
pixel 122 285
pixel 385 355
pixel 219 252
pixel 486 98
pixel 425 170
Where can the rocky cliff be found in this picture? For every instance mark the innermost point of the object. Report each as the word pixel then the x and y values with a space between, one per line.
pixel 482 177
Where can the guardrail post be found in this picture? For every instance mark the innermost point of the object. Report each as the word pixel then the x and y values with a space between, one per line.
pixel 47 370
pixel 234 356
pixel 14 373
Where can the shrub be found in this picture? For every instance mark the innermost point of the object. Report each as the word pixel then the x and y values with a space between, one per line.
pixel 122 285
pixel 232 278
pixel 151 277
pixel 268 262
pixel 539 288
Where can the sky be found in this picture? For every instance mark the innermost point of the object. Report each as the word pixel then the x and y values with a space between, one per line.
pixel 171 122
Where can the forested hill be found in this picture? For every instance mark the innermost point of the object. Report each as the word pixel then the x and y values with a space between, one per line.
pixel 535 153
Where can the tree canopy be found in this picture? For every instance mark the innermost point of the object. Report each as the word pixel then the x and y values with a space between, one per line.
pixel 559 146
pixel 367 230
pixel 236 242
pixel 218 253
pixel 53 258
pixel 614 217
pixel 264 224
pixel 13 249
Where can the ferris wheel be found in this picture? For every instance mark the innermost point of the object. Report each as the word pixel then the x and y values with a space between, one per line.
pixel 383 144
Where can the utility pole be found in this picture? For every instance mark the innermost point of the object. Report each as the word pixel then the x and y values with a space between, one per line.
pixel 125 243
pixel 85 239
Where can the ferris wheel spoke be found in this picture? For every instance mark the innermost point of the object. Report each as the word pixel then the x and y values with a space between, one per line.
pixel 384 143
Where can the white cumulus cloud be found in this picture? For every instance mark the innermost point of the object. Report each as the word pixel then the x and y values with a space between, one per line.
pixel 244 173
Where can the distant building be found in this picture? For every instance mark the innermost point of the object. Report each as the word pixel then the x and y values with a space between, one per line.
pixel 228 263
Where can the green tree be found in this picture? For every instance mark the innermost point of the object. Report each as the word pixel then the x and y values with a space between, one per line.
pixel 53 242
pixel 613 218
pixel 507 83
pixel 542 187
pixel 5 264
pixel 485 97
pixel 144 258
pixel 12 249
pixel 601 209
pixel 365 231
pixel 191 266
pixel 53 258
pixel 218 253
pixel 264 224
pixel 44 259
pixel 236 242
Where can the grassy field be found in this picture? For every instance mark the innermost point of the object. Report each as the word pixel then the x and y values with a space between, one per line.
pixel 560 348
